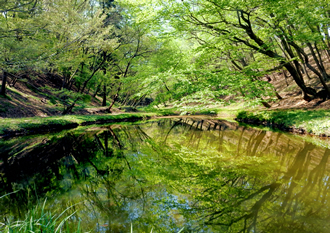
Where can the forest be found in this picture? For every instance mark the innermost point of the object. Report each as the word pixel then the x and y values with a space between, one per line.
pixel 164 116
pixel 177 53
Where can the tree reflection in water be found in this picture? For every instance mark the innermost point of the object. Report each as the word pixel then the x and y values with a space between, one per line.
pixel 201 174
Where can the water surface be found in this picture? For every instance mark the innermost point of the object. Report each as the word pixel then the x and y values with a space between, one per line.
pixel 195 174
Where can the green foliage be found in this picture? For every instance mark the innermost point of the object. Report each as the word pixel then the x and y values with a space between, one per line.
pixel 58 36
pixel 230 44
pixel 189 54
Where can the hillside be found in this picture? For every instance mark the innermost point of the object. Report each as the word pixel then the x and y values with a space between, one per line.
pixel 292 96
pixel 39 95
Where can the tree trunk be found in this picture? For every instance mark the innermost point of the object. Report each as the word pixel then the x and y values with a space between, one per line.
pixel 13 80
pixel 3 86
pixel 70 85
pixel 300 82
pixel 296 75
pixel 68 109
pixel 323 70
pixel 126 99
pixel 113 102
pixel 265 104
pixel 278 95
pixel 104 102
pixel 97 89
pixel 78 86
pixel 306 71
pixel 94 72
pixel 323 75
pixel 286 78
pixel 138 101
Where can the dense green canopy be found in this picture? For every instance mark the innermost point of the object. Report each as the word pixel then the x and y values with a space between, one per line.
pixel 177 52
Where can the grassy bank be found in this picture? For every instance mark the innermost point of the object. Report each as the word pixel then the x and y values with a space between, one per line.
pixel 315 122
pixel 32 125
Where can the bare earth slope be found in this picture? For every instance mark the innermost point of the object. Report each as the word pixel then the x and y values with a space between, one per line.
pixel 36 95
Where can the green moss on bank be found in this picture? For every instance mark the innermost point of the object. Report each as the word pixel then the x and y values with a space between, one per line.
pixel 312 121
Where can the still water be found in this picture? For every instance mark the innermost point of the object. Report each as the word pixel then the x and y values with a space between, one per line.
pixel 188 174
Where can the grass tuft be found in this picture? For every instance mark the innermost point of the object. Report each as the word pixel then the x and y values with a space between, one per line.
pixel 38 220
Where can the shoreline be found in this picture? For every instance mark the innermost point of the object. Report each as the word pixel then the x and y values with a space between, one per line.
pixel 304 122
pixel 57 124
pixel 287 121
pixel 281 127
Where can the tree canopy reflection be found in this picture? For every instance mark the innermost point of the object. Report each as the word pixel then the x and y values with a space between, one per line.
pixel 201 174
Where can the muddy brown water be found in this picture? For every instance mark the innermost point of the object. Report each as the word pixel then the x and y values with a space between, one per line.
pixel 167 175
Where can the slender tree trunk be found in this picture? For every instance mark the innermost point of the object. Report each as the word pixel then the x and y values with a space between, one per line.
pixel 286 78
pixel 64 81
pixel 324 72
pixel 94 71
pixel 97 89
pixel 265 104
pixel 306 71
pixel 87 81
pixel 3 86
pixel 70 85
pixel 316 56
pixel 278 95
pixel 79 86
pixel 138 101
pixel 324 76
pixel 69 108
pixel 306 60
pixel 104 102
pixel 14 79
pixel 126 99
pixel 113 101
pixel 67 80
pixel 300 82
pixel 325 39
pixel 292 69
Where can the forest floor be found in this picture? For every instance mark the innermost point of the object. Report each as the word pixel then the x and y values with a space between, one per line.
pixel 292 96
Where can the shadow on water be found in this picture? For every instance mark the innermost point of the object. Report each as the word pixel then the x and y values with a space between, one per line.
pixel 201 174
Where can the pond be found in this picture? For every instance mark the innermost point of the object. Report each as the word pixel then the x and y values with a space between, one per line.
pixel 168 175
